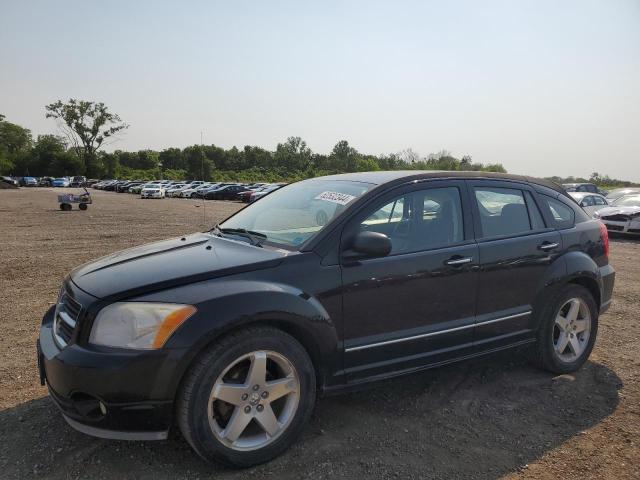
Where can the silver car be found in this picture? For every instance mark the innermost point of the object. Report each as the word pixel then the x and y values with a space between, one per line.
pixel 621 192
pixel 623 215
pixel 590 202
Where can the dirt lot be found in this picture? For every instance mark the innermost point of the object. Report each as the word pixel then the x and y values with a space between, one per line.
pixel 482 419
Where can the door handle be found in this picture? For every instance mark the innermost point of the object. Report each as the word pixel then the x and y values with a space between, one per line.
pixel 548 246
pixel 458 261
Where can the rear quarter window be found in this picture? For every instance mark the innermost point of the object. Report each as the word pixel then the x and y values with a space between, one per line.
pixel 563 215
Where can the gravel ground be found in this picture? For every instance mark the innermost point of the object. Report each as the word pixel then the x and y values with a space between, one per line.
pixel 486 418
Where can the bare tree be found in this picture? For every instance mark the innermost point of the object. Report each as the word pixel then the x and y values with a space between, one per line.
pixel 410 156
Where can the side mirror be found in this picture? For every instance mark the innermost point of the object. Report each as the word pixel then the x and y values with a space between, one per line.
pixel 370 244
pixel 583 204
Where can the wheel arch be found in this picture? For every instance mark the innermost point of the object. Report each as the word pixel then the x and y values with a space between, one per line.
pixel 573 268
pixel 582 270
pixel 298 315
pixel 590 284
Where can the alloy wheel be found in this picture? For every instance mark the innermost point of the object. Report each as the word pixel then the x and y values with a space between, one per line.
pixel 571 330
pixel 254 400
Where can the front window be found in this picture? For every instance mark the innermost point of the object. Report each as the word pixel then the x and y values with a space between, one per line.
pixel 293 214
pixel 419 220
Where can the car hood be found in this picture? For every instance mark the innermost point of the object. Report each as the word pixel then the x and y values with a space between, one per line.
pixel 618 211
pixel 169 263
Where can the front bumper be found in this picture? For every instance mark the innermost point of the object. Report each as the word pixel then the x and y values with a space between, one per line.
pixel 109 393
pixel 630 227
pixel 151 195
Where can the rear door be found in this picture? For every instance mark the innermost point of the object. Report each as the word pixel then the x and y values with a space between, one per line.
pixel 516 248
pixel 416 305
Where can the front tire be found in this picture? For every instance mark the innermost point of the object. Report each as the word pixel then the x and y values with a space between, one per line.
pixel 567 332
pixel 247 397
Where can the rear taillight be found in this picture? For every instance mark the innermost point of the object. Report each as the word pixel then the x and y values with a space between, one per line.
pixel 604 235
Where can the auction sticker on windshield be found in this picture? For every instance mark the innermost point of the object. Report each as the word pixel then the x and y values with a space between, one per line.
pixel 335 197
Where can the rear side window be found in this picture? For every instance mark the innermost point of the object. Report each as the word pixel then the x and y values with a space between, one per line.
pixel 599 201
pixel 587 201
pixel 504 212
pixel 563 215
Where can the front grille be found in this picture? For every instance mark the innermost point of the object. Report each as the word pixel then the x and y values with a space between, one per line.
pixel 615 227
pixel 66 319
pixel 617 218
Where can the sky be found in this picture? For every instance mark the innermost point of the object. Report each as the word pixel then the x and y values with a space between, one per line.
pixel 543 87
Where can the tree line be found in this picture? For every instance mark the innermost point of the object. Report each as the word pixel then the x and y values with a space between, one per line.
pixel 604 181
pixel 86 127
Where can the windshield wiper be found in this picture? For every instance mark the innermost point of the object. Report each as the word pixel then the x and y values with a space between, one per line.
pixel 243 232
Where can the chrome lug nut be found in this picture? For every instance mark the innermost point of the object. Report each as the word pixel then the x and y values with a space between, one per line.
pixel 256 387
pixel 260 408
pixel 247 409
pixel 265 394
pixel 245 396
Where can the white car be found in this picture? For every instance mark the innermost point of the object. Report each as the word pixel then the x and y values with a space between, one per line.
pixel 590 202
pixel 153 190
pixel 188 193
pixel 621 192
pixel 190 189
pixel 622 215
pixel 174 189
pixel 264 191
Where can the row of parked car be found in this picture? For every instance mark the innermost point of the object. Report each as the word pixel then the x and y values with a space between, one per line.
pixel 77 181
pixel 245 192
pixel 618 209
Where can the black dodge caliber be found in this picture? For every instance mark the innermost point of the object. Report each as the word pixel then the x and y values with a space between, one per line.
pixel 322 285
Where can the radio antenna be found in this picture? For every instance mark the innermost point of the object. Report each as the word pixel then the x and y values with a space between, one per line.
pixel 204 213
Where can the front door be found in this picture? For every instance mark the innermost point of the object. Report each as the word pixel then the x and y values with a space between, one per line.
pixel 416 305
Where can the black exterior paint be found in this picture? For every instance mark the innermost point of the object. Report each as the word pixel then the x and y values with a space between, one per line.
pixel 335 306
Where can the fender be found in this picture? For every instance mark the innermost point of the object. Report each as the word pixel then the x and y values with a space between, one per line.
pixel 570 267
pixel 581 266
pixel 225 306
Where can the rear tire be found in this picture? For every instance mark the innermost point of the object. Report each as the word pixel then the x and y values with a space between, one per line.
pixel 268 420
pixel 567 331
pixel 82 206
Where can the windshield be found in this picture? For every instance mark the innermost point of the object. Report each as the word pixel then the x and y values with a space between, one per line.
pixel 627 201
pixel 293 214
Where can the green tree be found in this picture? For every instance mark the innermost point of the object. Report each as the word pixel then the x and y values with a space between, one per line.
pixel 366 164
pixel 293 155
pixel 15 145
pixel 110 164
pixel 147 160
pixel 51 157
pixel 171 159
pixel 495 167
pixel 87 126
pixel 198 166
pixel 343 157
pixel 256 157
pixel 14 138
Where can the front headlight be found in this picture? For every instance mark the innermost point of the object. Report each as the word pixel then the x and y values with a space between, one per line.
pixel 138 325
